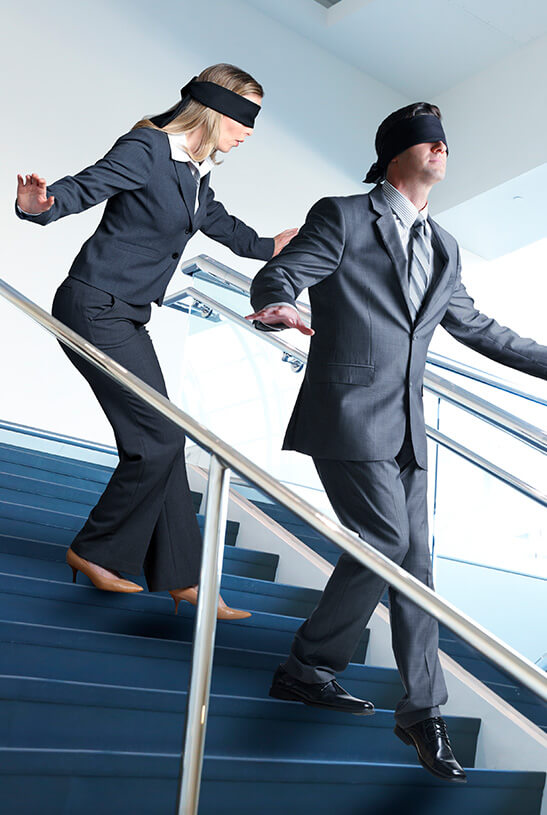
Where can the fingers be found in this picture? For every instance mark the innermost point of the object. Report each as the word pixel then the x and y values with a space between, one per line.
pixel 31 180
pixel 282 314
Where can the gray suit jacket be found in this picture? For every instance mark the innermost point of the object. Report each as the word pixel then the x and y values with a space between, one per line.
pixel 366 361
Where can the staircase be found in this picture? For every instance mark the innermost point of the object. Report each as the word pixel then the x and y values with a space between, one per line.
pixel 93 687
pixel 505 686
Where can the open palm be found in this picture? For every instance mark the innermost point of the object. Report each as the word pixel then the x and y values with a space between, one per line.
pixel 32 194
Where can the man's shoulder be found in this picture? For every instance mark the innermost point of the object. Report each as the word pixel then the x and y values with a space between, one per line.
pixel 347 204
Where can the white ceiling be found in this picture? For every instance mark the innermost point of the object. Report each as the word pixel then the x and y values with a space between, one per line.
pixel 418 47
pixel 502 219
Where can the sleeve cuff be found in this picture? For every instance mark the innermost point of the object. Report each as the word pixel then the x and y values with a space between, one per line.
pixel 26 214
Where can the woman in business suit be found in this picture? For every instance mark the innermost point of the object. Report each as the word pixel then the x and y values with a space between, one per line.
pixel 155 180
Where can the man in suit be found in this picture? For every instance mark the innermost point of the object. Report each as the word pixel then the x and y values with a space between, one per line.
pixel 382 276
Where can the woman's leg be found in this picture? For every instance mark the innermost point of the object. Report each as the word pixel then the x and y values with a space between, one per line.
pixel 130 515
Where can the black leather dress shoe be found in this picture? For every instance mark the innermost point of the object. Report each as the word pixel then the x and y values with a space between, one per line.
pixel 430 738
pixel 327 694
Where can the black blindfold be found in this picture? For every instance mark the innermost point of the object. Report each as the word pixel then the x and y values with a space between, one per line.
pixel 404 134
pixel 212 96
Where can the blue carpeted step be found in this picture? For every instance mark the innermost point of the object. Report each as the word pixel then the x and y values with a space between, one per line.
pixel 42 713
pixel 44 491
pixel 523 700
pixel 240 591
pixel 41 461
pixel 47 560
pixel 57 652
pixel 36 601
pixel 21 516
pixel 57 782
pixel 519 697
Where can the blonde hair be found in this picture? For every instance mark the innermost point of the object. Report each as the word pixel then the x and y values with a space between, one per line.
pixel 196 115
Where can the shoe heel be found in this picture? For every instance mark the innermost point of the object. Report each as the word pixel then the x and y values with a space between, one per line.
pixel 74 573
pixel 402 735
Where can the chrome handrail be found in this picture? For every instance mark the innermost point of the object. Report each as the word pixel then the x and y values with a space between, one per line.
pixel 460 368
pixel 464 399
pixel 224 457
pixel 494 415
pixel 209 269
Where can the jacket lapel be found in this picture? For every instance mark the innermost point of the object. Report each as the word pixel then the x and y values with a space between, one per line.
pixel 187 187
pixel 436 286
pixel 391 240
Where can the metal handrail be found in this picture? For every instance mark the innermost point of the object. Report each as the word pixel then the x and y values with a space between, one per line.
pixel 209 269
pixel 460 368
pixel 464 399
pixel 224 457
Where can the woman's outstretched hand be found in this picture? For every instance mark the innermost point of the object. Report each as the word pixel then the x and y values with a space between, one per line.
pixel 32 195
pixel 283 239
pixel 287 315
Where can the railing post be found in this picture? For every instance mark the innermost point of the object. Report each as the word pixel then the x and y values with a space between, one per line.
pixel 204 638
pixel 435 490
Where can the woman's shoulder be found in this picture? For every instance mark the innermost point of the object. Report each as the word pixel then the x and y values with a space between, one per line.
pixel 146 137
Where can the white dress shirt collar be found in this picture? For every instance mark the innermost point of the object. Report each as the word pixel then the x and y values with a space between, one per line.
pixel 177 142
pixel 402 207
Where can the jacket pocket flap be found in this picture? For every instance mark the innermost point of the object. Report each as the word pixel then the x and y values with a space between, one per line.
pixel 137 249
pixel 341 372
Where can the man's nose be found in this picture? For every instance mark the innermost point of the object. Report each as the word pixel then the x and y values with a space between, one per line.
pixel 439 147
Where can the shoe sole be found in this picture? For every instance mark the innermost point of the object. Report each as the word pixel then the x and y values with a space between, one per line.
pixel 288 697
pixel 406 739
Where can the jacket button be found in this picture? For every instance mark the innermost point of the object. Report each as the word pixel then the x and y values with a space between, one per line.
pixel 186 231
pixel 175 255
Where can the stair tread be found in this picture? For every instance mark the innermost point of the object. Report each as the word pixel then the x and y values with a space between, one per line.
pixel 28 761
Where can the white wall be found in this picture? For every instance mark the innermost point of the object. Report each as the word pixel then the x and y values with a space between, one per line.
pixel 506 603
pixel 496 123
pixel 81 74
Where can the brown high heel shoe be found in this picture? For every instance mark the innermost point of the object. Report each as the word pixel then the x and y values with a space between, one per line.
pixel 100 580
pixel 224 612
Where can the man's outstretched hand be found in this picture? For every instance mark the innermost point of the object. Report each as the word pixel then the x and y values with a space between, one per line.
pixel 287 315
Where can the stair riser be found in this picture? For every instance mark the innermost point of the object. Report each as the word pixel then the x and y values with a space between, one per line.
pixel 13 486
pixel 59 570
pixel 14 520
pixel 240 674
pixel 45 485
pixel 83 794
pixel 44 462
pixel 244 562
pixel 27 724
pixel 12 468
pixel 118 619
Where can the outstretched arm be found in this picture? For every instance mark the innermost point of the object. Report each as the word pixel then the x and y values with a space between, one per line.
pixel 311 256
pixel 473 328
pixel 126 166
pixel 233 233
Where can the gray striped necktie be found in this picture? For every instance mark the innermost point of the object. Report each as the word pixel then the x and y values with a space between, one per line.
pixel 419 267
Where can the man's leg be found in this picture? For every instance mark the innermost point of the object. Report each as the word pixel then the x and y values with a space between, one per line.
pixel 414 633
pixel 369 498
